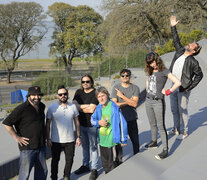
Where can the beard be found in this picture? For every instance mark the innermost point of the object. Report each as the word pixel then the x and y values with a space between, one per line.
pixel 63 100
pixel 188 49
pixel 35 101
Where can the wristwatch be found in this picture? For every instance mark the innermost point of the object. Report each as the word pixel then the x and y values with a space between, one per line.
pixel 79 137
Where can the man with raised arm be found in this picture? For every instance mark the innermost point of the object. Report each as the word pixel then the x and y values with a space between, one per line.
pixel 186 68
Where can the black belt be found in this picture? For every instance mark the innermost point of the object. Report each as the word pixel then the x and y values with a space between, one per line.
pixel 153 98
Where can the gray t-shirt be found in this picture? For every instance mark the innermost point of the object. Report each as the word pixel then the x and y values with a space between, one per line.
pixel 156 83
pixel 129 112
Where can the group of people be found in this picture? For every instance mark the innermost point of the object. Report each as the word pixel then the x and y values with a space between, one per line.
pixel 103 119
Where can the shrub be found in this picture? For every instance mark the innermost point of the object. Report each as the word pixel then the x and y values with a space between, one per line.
pixel 50 81
pixel 116 77
pixel 185 39
pixel 49 98
pixel 133 59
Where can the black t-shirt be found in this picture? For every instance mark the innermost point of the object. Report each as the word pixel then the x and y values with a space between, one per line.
pixel 85 98
pixel 28 123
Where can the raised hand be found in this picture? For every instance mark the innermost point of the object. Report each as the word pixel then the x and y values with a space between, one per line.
pixel 173 21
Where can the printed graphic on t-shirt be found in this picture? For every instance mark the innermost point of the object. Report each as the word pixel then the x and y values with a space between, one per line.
pixel 104 131
pixel 152 89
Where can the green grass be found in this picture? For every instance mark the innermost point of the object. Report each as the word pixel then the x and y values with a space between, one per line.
pixel 36 60
pixel 9 105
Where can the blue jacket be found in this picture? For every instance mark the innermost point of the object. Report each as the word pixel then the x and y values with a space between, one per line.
pixel 119 124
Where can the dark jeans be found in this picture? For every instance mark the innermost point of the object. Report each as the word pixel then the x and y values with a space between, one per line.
pixel 107 158
pixel 133 134
pixel 69 149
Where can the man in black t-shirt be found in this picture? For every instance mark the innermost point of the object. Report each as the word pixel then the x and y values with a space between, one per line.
pixel 86 101
pixel 26 124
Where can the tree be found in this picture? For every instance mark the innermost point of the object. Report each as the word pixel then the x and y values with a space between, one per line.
pixel 138 23
pixel 21 28
pixel 75 34
pixel 146 22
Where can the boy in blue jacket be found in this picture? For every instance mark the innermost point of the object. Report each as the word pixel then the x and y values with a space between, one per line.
pixel 112 128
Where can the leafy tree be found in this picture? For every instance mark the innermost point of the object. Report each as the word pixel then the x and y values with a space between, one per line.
pixel 135 22
pixel 138 23
pixel 75 34
pixel 192 13
pixel 21 29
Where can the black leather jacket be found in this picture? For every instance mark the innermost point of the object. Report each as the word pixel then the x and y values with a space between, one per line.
pixel 192 73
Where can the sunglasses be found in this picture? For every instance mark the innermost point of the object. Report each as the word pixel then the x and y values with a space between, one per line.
pixel 85 82
pixel 125 75
pixel 61 94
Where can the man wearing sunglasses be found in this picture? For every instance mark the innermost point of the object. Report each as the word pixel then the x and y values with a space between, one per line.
pixel 86 101
pixel 126 96
pixel 186 68
pixel 61 116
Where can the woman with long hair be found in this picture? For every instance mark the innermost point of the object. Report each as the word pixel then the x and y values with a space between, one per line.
pixel 157 75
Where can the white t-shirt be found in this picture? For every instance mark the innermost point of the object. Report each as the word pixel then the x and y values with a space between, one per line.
pixel 178 67
pixel 62 118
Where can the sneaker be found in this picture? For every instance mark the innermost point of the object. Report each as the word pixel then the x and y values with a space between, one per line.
pixel 82 169
pixel 182 136
pixel 151 145
pixel 93 175
pixel 162 155
pixel 172 132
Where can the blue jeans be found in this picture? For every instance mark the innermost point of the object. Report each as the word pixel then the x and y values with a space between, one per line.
pixel 179 108
pixel 89 144
pixel 30 158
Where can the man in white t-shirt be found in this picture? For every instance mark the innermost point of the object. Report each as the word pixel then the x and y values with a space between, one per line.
pixel 60 117
pixel 187 69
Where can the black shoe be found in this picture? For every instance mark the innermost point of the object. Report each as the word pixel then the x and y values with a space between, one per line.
pixel 82 169
pixel 93 175
pixel 162 155
pixel 151 145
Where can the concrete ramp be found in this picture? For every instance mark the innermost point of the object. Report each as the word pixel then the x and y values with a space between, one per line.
pixel 187 158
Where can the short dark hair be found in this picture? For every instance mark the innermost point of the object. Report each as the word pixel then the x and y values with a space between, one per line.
pixel 62 87
pixel 125 71
pixel 197 49
pixel 91 79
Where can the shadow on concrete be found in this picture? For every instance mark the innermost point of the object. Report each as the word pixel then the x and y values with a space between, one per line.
pixel 75 177
pixel 195 121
